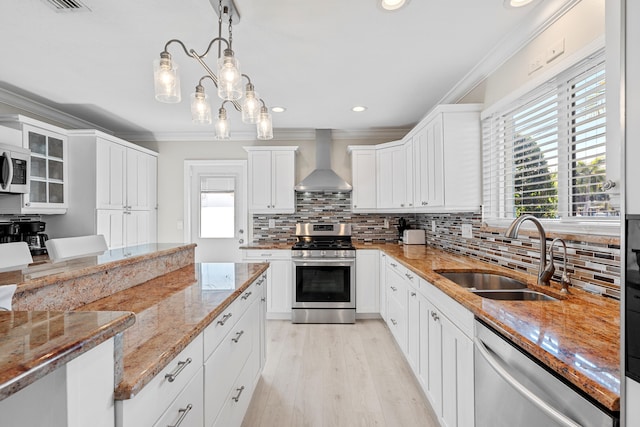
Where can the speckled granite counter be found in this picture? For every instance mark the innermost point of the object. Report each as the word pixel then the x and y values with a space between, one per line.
pixel 34 343
pixel 578 337
pixel 171 310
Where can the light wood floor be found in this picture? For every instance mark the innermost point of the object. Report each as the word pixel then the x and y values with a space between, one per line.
pixel 336 375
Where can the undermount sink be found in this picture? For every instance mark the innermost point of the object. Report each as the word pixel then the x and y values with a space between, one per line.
pixel 515 295
pixel 484 281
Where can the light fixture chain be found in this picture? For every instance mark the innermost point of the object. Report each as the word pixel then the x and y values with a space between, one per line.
pixel 230 31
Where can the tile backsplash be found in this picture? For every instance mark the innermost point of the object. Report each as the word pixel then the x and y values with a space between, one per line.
pixel 588 263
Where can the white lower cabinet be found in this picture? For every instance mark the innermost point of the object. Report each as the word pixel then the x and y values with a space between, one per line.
pixel 280 283
pixel 212 380
pixel 383 285
pixel 367 288
pixel 435 334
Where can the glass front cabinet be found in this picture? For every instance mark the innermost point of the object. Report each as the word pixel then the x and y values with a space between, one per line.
pixel 48 178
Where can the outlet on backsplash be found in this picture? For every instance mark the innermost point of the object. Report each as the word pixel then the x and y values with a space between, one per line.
pixel 386 223
pixel 272 223
pixel 433 226
pixel 466 231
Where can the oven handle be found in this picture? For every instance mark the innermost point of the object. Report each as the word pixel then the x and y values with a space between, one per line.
pixel 524 391
pixel 324 260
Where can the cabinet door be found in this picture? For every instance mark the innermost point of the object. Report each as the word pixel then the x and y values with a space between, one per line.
pixel 434 362
pixel 421 180
pixel 138 182
pixel 383 285
pixel 110 223
pixel 110 175
pixel 408 152
pixel 363 165
pixel 48 174
pixel 413 325
pixel 367 289
pixel 384 161
pixel 457 370
pixel 398 179
pixel 283 181
pixel 434 163
pixel 260 181
pixel 279 292
pixel 136 227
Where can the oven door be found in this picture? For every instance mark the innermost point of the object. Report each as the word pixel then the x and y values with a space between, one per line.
pixel 324 283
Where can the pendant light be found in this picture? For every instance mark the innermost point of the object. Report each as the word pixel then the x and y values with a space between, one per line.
pixel 228 82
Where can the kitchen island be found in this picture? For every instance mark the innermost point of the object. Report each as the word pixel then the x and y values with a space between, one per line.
pixel 65 309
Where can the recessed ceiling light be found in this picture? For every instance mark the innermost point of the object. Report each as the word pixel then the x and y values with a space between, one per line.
pixel 392 4
pixel 516 3
pixel 278 109
pixel 359 108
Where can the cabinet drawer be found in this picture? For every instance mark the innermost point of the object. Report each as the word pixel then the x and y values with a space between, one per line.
pixel 221 326
pixel 152 401
pixel 397 288
pixel 453 310
pixel 257 255
pixel 237 401
pixel 223 367
pixel 187 410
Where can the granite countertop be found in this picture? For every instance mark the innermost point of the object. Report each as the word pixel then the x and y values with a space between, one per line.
pixel 171 310
pixel 34 343
pixel 578 337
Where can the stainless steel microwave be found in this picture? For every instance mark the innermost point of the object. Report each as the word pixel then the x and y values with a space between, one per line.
pixel 15 164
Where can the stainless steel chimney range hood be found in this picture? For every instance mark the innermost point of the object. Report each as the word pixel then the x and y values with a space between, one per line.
pixel 323 178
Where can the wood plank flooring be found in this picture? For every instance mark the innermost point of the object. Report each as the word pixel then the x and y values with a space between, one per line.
pixel 336 375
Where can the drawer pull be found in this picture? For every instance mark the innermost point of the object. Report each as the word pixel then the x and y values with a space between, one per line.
pixel 409 276
pixel 393 288
pixel 394 322
pixel 246 295
pixel 263 299
pixel 183 413
pixel 413 294
pixel 224 319
pixel 393 265
pixel 435 316
pixel 237 396
pixel 265 255
pixel 238 335
pixel 181 365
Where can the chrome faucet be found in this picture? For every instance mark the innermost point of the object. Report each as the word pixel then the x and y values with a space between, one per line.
pixel 512 232
pixel 564 281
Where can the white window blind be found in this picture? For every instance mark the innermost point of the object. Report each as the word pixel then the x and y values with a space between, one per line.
pixel 545 154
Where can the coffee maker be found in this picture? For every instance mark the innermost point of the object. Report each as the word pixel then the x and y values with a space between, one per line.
pixel 32 232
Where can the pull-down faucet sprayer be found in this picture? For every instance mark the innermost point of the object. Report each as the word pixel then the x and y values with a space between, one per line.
pixel 544 276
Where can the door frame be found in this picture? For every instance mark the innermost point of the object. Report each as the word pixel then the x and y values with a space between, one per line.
pixel 188 165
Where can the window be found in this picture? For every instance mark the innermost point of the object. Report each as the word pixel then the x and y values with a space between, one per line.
pixel 545 154
pixel 217 207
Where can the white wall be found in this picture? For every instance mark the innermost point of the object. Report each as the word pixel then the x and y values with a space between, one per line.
pixel 171 170
pixel 583 24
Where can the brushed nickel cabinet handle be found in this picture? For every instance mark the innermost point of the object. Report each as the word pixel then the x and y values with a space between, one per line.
pixel 393 288
pixel 238 335
pixel 171 377
pixel 183 413
pixel 224 319
pixel 394 322
pixel 237 396
pixel 413 294
pixel 246 295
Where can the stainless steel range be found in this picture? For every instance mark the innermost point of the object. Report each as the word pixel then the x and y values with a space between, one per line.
pixel 324 285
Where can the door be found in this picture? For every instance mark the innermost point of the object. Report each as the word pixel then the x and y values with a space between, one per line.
pixel 216 208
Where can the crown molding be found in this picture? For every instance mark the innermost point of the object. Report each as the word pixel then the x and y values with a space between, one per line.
pixel 278 135
pixel 53 114
pixel 511 43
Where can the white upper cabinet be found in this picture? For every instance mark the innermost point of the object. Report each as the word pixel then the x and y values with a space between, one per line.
pixel 391 176
pixel 110 172
pixel 48 190
pixel 363 178
pixel 428 171
pixel 271 179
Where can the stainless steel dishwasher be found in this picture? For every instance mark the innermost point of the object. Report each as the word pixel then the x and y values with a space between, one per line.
pixel 513 390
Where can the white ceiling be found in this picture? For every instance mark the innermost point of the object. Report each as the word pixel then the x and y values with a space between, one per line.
pixel 317 58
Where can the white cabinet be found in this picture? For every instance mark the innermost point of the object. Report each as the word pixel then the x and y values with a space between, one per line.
pixel 363 178
pixel 391 177
pixel 367 288
pixel 407 164
pixel 48 191
pixel 113 186
pixel 280 282
pixel 457 372
pixel 271 179
pixel 397 303
pixel 77 394
pixel 383 285
pixel 413 329
pixel 428 172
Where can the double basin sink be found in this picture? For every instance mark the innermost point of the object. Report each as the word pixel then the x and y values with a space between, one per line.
pixel 495 286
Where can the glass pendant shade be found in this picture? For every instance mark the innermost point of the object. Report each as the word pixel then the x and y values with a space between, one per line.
pixel 264 126
pixel 229 77
pixel 166 79
pixel 250 105
pixel 200 107
pixel 222 125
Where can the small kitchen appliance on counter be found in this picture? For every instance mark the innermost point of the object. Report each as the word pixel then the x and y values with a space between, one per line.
pixel 324 282
pixel 32 232
pixel 413 237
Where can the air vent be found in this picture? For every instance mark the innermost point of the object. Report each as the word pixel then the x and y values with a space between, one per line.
pixel 67 5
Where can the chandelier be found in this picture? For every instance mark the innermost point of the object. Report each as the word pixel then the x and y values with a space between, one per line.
pixel 229 82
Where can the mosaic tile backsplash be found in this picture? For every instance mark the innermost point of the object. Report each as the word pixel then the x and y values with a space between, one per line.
pixel 588 264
